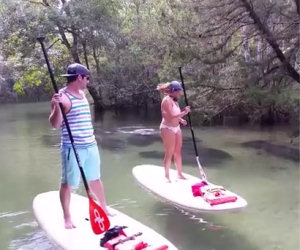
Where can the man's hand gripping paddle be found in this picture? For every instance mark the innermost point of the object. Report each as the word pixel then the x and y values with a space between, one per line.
pixel 98 218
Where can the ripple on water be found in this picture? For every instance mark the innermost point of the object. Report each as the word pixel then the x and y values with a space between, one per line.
pixel 124 203
pixel 32 241
pixel 32 224
pixel 139 130
pixel 11 214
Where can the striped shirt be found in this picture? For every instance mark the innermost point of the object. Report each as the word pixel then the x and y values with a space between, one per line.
pixel 80 122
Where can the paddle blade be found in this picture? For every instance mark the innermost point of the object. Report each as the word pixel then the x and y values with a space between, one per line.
pixel 98 218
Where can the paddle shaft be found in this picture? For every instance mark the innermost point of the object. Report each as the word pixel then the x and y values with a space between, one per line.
pixel 41 40
pixel 202 173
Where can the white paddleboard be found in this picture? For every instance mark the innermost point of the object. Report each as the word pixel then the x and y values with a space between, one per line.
pixel 179 192
pixel 48 213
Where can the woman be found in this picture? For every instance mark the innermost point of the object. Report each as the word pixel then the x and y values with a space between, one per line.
pixel 170 126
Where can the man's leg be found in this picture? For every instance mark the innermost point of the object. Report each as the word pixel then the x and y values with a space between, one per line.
pixel 70 178
pixel 97 188
pixel 65 198
pixel 92 171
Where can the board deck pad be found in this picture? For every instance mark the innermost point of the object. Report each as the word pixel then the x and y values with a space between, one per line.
pixel 179 192
pixel 48 213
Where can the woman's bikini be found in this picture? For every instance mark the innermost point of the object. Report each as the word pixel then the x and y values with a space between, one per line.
pixel 176 129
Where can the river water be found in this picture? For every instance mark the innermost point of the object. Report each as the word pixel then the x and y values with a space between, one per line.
pixel 30 165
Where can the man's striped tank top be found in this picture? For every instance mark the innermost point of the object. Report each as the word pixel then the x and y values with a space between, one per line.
pixel 80 121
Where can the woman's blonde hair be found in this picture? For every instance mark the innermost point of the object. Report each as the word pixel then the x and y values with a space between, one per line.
pixel 164 87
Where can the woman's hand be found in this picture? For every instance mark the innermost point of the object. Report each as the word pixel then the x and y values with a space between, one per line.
pixel 187 109
pixel 183 122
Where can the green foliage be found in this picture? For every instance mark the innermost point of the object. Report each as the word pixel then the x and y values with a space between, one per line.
pixel 18 87
pixel 28 78
pixel 131 46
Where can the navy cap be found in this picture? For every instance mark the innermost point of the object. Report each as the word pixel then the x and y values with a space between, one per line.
pixel 76 69
pixel 174 86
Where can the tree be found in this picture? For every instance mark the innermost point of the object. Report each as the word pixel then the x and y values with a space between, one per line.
pixel 238 57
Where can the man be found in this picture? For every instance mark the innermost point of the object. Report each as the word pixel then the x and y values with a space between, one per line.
pixel 76 108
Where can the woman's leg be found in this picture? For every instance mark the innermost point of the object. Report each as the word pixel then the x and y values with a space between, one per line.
pixel 177 154
pixel 168 138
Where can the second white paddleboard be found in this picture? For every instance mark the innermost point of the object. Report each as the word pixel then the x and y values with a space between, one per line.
pixel 179 192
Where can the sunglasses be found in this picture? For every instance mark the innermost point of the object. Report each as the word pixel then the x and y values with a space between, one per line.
pixel 87 77
pixel 176 90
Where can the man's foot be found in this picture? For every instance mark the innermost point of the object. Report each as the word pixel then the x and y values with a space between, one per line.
pixel 69 224
pixel 109 213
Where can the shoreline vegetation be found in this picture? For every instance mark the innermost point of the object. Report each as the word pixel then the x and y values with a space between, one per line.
pixel 240 61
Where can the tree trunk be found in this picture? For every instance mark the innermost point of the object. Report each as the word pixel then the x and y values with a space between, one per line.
pixel 272 41
pixel 259 49
pixel 245 44
pixel 96 96
pixel 85 55
pixel 297 6
pixel 297 61
pixel 96 61
pixel 270 27
pixel 73 50
pixel 138 15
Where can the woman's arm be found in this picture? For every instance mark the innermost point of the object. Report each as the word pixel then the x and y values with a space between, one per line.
pixel 183 122
pixel 168 111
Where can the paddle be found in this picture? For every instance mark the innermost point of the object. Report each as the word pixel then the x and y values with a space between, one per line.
pixel 202 173
pixel 98 218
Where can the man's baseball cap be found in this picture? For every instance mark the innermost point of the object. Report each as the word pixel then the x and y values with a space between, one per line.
pixel 76 69
pixel 174 86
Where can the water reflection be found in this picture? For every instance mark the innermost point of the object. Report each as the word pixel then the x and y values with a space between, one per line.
pixel 209 157
pixel 204 232
pixel 278 150
pixel 51 139
pixel 110 143
pixel 143 140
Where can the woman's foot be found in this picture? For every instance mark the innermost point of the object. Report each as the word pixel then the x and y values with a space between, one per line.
pixel 167 178
pixel 181 176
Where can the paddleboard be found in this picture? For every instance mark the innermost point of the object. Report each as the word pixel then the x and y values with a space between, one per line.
pixel 179 192
pixel 48 213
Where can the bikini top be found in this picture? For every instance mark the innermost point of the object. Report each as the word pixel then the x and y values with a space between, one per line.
pixel 175 103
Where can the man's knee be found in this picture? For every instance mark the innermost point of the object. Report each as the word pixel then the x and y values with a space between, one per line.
pixel 95 182
pixel 65 189
pixel 64 185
